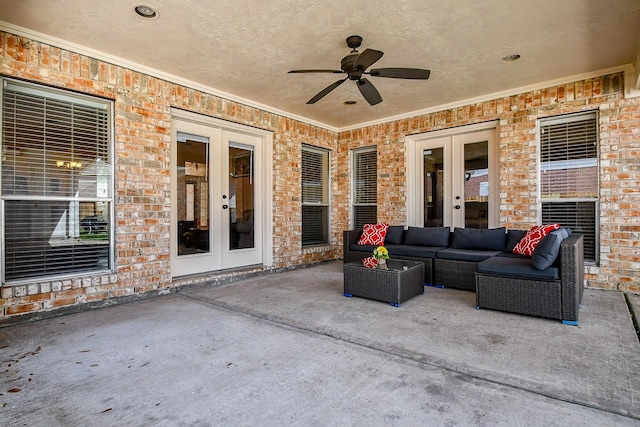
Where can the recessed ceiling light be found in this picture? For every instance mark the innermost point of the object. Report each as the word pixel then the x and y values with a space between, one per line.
pixel 350 102
pixel 146 12
pixel 511 58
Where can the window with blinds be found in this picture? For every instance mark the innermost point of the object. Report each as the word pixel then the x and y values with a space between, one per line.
pixel 56 182
pixel 315 196
pixel 569 176
pixel 365 187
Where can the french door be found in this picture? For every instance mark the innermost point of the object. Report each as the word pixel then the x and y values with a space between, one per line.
pixel 215 199
pixel 456 179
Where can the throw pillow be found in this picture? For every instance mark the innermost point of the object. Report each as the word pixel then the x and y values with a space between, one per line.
pixel 545 254
pixel 485 239
pixel 427 236
pixel 527 245
pixel 370 262
pixel 373 234
pixel 394 235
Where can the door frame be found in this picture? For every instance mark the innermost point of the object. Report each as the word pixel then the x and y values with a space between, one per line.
pixel 266 175
pixel 413 161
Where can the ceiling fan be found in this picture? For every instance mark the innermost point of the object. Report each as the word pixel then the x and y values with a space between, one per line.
pixel 355 65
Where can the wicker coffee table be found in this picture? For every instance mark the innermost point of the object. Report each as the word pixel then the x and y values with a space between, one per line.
pixel 402 280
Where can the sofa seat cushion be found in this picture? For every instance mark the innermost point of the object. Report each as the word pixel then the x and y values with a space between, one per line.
pixel 414 251
pixel 516 267
pixel 354 247
pixel 471 255
pixel 512 255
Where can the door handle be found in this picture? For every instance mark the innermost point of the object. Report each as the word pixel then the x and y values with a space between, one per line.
pixel 457 206
pixel 225 206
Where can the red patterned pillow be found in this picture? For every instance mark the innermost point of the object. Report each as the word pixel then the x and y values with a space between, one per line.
pixel 370 262
pixel 530 240
pixel 373 234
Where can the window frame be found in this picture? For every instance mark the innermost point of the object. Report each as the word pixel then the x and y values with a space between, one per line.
pixel 543 200
pixel 355 154
pixel 104 191
pixel 325 190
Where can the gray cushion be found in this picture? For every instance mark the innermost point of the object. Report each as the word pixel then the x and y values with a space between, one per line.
pixel 427 236
pixel 414 251
pixel 513 237
pixel 545 254
pixel 472 255
pixel 362 248
pixel 491 239
pixel 517 268
pixel 394 235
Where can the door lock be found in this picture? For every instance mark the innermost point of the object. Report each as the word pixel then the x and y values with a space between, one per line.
pixel 225 206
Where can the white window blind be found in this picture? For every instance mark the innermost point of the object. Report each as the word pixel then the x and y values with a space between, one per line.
pixel 365 187
pixel 56 182
pixel 569 176
pixel 315 196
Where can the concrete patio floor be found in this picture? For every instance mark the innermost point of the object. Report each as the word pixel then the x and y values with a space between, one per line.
pixel 290 349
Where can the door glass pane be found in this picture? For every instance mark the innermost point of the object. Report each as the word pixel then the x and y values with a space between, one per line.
pixel 433 187
pixel 193 194
pixel 241 197
pixel 476 185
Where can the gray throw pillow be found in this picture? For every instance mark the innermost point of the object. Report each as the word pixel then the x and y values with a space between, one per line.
pixel 545 254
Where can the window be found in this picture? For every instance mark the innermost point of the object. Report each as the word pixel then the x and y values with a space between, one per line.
pixel 56 184
pixel 569 176
pixel 315 196
pixel 365 187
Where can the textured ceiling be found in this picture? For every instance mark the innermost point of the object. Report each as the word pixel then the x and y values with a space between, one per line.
pixel 245 47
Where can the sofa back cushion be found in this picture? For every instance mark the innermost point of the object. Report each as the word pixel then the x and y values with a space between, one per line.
pixel 394 235
pixel 546 252
pixel 513 237
pixel 427 236
pixel 488 239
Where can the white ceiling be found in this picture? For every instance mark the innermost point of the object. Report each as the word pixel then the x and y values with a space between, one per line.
pixel 245 47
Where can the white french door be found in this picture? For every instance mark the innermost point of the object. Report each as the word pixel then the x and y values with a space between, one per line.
pixel 456 179
pixel 216 183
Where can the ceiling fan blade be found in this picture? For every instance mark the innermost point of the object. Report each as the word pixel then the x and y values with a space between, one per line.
pixel 316 71
pixel 367 58
pixel 401 73
pixel 325 91
pixel 369 92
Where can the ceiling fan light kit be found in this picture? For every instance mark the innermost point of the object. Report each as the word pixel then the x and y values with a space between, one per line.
pixel 355 64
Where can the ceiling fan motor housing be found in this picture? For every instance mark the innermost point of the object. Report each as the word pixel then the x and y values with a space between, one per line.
pixel 348 66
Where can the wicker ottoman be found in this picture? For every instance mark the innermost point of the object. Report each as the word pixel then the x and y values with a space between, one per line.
pixel 402 280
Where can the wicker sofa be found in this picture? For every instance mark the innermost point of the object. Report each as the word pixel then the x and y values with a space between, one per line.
pixel 502 280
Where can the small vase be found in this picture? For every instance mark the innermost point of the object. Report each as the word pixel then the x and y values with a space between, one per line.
pixel 382 263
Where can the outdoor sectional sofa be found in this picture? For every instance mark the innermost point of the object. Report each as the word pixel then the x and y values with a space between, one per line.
pixel 547 284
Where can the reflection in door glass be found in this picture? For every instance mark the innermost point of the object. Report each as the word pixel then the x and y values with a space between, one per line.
pixel 433 187
pixel 241 196
pixel 476 185
pixel 193 194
